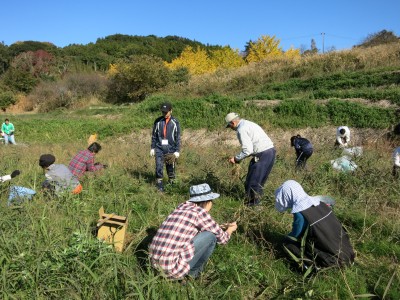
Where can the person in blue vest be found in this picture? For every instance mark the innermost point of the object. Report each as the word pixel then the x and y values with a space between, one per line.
pixel 165 144
pixel 304 150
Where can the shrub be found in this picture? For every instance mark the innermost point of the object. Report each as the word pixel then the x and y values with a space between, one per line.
pixel 86 84
pixel 299 113
pixel 6 99
pixel 136 79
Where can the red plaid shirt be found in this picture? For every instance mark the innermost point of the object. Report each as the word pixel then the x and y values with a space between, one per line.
pixel 172 247
pixel 82 162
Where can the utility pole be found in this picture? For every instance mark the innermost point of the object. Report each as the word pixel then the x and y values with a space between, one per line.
pixel 323 42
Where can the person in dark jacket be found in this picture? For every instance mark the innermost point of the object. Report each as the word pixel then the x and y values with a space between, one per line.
pixel 304 150
pixel 327 243
pixel 165 144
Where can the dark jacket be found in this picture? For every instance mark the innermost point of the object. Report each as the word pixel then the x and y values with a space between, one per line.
pixel 302 145
pixel 173 135
pixel 326 238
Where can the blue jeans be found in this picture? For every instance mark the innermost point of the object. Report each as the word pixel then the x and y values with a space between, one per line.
pixel 204 245
pixel 9 138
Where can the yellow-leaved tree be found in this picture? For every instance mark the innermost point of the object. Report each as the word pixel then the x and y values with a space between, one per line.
pixel 227 58
pixel 265 47
pixel 195 60
pixel 292 53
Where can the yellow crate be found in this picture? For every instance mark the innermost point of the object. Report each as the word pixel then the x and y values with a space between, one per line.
pixel 112 229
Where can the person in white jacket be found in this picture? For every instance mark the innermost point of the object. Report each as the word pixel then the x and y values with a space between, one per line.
pixel 342 137
pixel 396 162
pixel 255 144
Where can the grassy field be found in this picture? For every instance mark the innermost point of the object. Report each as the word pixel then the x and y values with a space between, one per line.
pixel 48 251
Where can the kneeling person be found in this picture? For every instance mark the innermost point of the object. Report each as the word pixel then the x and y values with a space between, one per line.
pixel 59 178
pixel 187 238
pixel 327 243
pixel 84 161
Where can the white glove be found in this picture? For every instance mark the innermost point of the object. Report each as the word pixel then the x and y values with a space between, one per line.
pixel 152 152
pixel 176 154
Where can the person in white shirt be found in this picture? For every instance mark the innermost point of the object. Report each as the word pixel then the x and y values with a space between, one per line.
pixel 396 162
pixel 9 177
pixel 255 143
pixel 342 137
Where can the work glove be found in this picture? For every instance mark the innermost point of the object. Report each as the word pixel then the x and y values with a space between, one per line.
pixel 152 152
pixel 176 154
pixel 15 173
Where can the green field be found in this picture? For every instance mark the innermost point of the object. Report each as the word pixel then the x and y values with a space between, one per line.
pixel 48 250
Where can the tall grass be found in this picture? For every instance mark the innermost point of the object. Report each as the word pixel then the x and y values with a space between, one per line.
pixel 48 251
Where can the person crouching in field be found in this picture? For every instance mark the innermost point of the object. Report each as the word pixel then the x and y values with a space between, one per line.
pixel 187 238
pixel 326 241
pixel 342 137
pixel 304 150
pixel 59 178
pixel 84 161
pixel 396 163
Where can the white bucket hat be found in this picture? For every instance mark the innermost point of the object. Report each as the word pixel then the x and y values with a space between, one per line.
pixel 201 192
pixel 230 117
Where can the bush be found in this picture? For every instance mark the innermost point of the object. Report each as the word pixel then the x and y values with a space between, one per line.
pixel 136 79
pixel 86 84
pixel 299 113
pixel 6 99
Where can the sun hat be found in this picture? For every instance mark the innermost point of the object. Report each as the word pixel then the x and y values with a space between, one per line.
pixel 292 195
pixel 230 117
pixel 201 192
pixel 46 160
pixel 166 107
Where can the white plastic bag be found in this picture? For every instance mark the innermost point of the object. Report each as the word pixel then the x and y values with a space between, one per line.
pixel 344 164
pixel 353 151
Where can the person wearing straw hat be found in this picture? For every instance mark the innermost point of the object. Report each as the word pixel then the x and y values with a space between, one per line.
pixel 187 238
pixel 327 243
pixel 257 144
pixel 165 144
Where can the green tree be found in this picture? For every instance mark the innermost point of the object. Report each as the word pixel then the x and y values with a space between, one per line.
pixel 379 38
pixel 4 58
pixel 133 80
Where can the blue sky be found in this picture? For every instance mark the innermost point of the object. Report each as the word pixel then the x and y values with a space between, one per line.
pixel 216 22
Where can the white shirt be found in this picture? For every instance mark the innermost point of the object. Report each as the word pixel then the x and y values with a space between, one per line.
pixel 396 157
pixel 340 137
pixel 5 178
pixel 252 138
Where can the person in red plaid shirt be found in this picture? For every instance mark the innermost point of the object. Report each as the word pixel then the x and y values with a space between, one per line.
pixel 187 238
pixel 84 161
